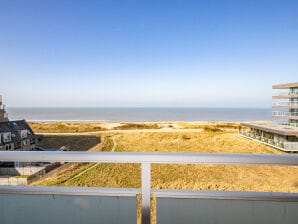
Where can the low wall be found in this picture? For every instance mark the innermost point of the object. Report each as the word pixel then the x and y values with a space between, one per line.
pixel 32 173
pixel 67 205
pixel 14 181
pixel 224 207
pixel 18 171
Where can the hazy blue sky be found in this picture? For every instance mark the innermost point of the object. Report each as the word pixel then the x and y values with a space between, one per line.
pixel 146 53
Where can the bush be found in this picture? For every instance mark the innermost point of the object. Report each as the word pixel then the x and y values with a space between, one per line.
pixel 132 126
pixel 212 129
pixel 184 137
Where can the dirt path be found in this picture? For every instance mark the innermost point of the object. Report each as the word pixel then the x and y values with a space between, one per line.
pixel 96 164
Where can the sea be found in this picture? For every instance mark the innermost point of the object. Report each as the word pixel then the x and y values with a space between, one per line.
pixel 139 114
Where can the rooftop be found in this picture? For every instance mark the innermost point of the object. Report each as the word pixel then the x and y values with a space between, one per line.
pixel 273 127
pixel 14 127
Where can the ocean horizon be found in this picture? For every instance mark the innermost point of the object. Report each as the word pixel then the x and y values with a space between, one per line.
pixel 137 114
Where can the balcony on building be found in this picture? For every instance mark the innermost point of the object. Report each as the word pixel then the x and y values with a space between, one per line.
pixel 285 115
pixel 282 135
pixel 290 94
pixel 285 105
pixel 285 95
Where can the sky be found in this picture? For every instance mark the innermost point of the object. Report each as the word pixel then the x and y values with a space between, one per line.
pixel 146 53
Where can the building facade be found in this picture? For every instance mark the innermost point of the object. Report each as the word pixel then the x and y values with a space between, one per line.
pixel 291 103
pixel 3 114
pixel 15 135
pixel 282 134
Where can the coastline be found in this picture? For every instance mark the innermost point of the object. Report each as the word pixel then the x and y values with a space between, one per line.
pixel 139 114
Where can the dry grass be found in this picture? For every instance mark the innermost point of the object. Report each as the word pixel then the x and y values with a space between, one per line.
pixel 204 124
pixel 135 126
pixel 77 127
pixel 199 177
pixel 223 141
pixel 65 127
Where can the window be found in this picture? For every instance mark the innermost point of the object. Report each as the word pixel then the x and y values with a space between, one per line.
pixel 24 133
pixel 25 142
pixel 8 147
pixel 32 141
pixel 6 137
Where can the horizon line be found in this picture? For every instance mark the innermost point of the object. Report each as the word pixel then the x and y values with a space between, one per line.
pixel 136 107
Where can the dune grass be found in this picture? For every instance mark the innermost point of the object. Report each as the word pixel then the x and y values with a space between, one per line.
pixel 208 140
pixel 195 177
pixel 136 126
pixel 77 127
pixel 65 127
pixel 207 124
pixel 214 137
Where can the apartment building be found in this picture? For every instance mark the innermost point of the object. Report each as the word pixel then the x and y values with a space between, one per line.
pixel 282 134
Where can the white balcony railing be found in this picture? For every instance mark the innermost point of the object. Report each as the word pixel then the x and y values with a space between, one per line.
pixel 282 93
pixel 285 205
pixel 284 114
pixel 285 95
pixel 285 104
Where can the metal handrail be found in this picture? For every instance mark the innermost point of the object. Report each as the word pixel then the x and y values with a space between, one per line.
pixel 146 159
pixel 285 104
pixel 285 93
pixel 284 114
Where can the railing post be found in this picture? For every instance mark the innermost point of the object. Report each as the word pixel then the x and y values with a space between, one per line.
pixel 146 192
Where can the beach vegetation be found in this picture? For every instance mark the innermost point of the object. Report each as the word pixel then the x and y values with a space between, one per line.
pixel 194 177
pixel 65 127
pixel 202 137
pixel 134 126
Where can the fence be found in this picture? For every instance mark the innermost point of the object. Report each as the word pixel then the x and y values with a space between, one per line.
pixel 284 114
pixel 252 207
